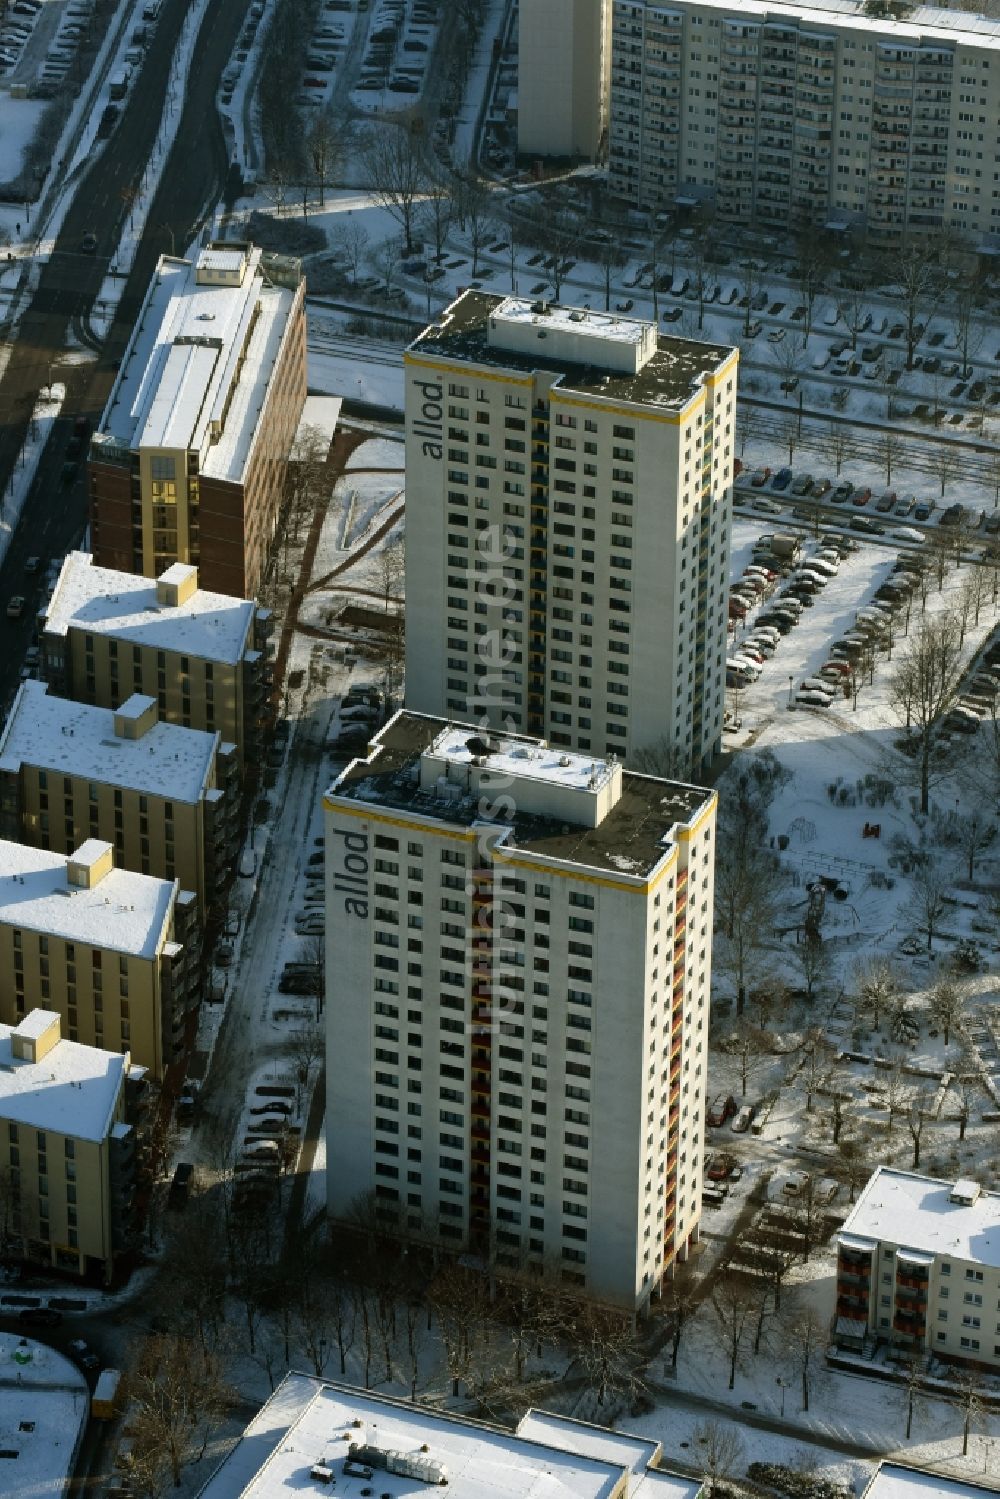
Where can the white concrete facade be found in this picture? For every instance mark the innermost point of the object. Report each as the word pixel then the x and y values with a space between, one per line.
pixel 564 60
pixel 520 999
pixel 811 113
pixel 918 1267
pixel 569 491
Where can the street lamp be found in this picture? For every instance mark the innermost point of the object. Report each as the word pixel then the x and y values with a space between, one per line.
pixel 791 683
pixel 783 1385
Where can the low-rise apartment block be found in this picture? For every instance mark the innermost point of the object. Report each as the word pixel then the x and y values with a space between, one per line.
pixel 563 68
pixel 519 952
pixel 188 461
pixel 818 113
pixel 314 1434
pixel 106 634
pixel 67 1150
pixel 166 798
pixel 918 1268
pixel 569 490
pixel 115 954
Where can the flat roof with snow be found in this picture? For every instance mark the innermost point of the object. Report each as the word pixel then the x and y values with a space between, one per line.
pixel 923 22
pixel 124 912
pixel 52 733
pixel 637 366
pixel 918 1213
pixel 892 1481
pixel 103 601
pixel 519 759
pixel 73 1090
pixel 310 1421
pixel 196 370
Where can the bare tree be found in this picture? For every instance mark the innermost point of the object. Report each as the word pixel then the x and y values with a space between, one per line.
pixel 386 259
pixel 916 1119
pixel 898 1096
pixel 890 451
pixel 840 443
pixel 661 758
pixel 438 210
pixel 922 690
pixel 475 207
pixel 854 1162
pixel 966 1084
pixel 396 173
pixel 734 1304
pixel 975 833
pixel 391 571
pixel 813 960
pixel 607 1347
pixel 915 272
pixel 351 239
pixel 807 1338
pixel 610 258
pixel 813 260
pixel 928 901
pixel 343 1322
pixel 876 985
pixel 560 235
pixel 947 1004
pixel 971 1404
pixel 819 1059
pixel 176 1401
pixel 325 148
pixel 914 1388
pixel 719 1449
pixel 750 282
pixel 946 465
pixel 854 311
pixel 968 333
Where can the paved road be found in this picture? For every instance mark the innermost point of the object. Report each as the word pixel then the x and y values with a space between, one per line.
pixel 194 175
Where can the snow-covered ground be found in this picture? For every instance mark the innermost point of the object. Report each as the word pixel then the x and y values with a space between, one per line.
pixel 44 1407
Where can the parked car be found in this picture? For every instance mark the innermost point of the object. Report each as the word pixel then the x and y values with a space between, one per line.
pixel 813 699
pixel 841 492
pixel 743 1119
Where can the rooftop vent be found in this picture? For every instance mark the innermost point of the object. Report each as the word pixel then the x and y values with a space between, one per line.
pixel 965 1193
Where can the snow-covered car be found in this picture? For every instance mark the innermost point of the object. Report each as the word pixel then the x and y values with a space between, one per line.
pixel 815 684
pixel 813 699
pixel 796 1183
pixel 909 534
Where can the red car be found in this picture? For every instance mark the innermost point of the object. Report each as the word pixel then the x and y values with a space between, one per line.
pixel 719 1168
pixel 861 497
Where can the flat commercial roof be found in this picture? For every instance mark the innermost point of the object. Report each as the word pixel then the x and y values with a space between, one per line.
pixel 73 1090
pixel 632 839
pixel 892 1481
pixel 124 912
pixel 77 739
pixel 915 1212
pixel 103 601
pixel 670 379
pixel 197 368
pixel 309 1421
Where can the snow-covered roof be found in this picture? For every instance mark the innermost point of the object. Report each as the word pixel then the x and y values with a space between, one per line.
pixel 124 912
pixel 103 601
pixel 923 22
pixel 919 1213
pixel 73 1090
pixel 309 1421
pixel 893 1481
pixel 618 1447
pixel 520 760
pixel 79 739
pixel 196 371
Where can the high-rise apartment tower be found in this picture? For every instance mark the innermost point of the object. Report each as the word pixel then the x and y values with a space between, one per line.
pixel 520 958
pixel 569 496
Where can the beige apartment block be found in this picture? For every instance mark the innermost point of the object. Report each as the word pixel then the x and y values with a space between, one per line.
pixel 569 488
pixel 786 114
pixel 519 949
pixel 166 798
pixel 67 1152
pixel 115 954
pixel 918 1269
pixel 106 634
pixel 563 69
